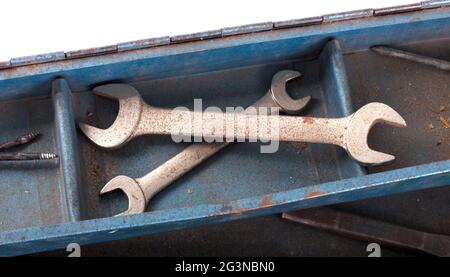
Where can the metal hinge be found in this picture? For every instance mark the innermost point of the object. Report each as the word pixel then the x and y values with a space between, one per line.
pixel 4 65
pixel 143 43
pixel 247 29
pixel 298 22
pixel 435 4
pixel 398 9
pixel 91 52
pixel 196 36
pixel 36 59
pixel 347 15
pixel 224 32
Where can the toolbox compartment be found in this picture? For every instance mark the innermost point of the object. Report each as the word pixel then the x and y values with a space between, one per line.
pixel 49 204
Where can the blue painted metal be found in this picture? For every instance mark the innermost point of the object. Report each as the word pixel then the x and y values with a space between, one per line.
pixel 48 205
pixel 402 180
pixel 338 99
pixel 66 142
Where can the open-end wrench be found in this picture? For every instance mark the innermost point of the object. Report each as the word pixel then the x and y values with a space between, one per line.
pixel 140 190
pixel 137 118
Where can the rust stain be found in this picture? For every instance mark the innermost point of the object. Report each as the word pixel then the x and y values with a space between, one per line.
pixel 231 207
pixel 314 193
pixel 444 122
pixel 266 201
pixel 308 120
pixel 226 208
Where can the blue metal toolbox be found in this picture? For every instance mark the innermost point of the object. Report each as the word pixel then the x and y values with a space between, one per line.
pixel 50 204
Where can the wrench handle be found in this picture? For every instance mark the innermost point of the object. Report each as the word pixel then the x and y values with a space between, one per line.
pixel 190 157
pixel 314 130
pixel 242 126
pixel 177 166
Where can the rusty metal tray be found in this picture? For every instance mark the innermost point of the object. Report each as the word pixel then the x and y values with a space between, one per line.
pixel 47 205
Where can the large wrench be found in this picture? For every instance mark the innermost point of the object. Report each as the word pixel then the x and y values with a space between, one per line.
pixel 137 118
pixel 140 190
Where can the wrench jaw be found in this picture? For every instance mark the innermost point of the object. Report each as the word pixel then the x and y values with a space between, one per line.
pixel 133 191
pixel 126 122
pixel 280 95
pixel 358 130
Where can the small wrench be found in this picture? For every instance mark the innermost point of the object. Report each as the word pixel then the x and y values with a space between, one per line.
pixel 140 190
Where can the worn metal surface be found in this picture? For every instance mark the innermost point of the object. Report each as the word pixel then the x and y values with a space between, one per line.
pixel 139 191
pixel 252 185
pixel 371 230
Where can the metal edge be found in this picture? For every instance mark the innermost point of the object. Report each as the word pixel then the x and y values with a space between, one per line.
pixel 224 32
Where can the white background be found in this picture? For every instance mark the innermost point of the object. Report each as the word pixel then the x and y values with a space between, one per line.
pixel 42 26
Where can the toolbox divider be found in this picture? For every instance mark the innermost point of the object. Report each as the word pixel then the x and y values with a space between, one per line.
pixel 66 141
pixel 336 89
